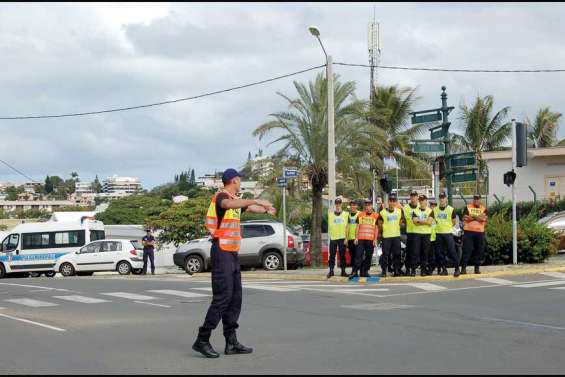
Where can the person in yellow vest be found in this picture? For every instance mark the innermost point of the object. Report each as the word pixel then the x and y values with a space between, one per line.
pixel 337 229
pixel 433 260
pixel 410 259
pixel 389 223
pixel 475 218
pixel 351 232
pixel 222 221
pixel 366 240
pixel 446 218
pixel 422 217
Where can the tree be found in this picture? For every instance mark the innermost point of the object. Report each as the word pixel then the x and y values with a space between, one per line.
pixel 96 185
pixel 74 176
pixel 192 180
pixel 303 130
pixel 134 209
pixel 12 192
pixel 543 132
pixel 482 131
pixel 48 188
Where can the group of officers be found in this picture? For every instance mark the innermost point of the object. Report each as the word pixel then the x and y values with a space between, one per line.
pixel 429 236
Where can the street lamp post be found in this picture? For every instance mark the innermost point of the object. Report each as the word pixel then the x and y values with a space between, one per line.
pixel 331 112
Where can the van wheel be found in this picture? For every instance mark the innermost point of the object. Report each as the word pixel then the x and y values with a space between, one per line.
pixel 50 274
pixel 2 271
pixel 67 269
pixel 193 264
pixel 123 268
pixel 272 261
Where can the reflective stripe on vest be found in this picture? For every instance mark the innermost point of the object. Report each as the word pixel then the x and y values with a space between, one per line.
pixel 337 225
pixel 473 225
pixel 367 226
pixel 352 227
pixel 229 232
pixel 422 215
pixel 408 217
pixel 391 222
pixel 444 219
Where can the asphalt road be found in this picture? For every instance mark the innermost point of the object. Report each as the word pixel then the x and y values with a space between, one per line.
pixel 147 325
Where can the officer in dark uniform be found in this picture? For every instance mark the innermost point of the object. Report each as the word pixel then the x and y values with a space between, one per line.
pixel 222 221
pixel 148 252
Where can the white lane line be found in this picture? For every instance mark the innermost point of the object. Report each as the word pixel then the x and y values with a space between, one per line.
pixel 208 289
pixel 362 290
pixel 520 323
pixel 150 303
pixel 82 299
pixel 131 296
pixel 560 288
pixel 558 275
pixel 542 284
pixel 379 306
pixel 496 281
pixel 37 286
pixel 32 322
pixel 30 302
pixel 173 292
pixel 39 290
pixel 267 288
pixel 427 286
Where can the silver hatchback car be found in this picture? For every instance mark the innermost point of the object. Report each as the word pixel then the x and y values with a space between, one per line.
pixel 261 246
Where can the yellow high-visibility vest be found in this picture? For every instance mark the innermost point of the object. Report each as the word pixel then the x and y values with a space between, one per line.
pixel 352 226
pixel 443 219
pixel 228 232
pixel 391 222
pixel 422 215
pixel 337 225
pixel 408 217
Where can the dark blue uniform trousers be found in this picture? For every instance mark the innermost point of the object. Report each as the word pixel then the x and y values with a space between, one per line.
pixel 227 293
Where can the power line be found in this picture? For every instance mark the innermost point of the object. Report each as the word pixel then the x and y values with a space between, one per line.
pixel 18 171
pixel 162 102
pixel 456 70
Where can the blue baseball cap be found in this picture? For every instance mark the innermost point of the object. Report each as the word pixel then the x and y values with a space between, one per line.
pixel 230 174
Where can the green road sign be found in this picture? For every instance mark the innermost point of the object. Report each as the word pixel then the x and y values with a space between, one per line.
pixel 437 133
pixel 464 176
pixel 426 118
pixel 461 160
pixel 428 146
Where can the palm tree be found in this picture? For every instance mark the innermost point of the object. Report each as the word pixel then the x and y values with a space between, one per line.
pixel 544 130
pixel 304 134
pixel 482 131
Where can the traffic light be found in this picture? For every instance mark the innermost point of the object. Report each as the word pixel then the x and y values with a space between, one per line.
pixel 521 144
pixel 509 178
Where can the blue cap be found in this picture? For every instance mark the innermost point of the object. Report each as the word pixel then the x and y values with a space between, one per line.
pixel 230 174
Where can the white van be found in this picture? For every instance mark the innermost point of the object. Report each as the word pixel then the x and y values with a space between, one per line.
pixel 35 247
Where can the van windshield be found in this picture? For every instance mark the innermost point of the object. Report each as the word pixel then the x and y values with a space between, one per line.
pixel 96 235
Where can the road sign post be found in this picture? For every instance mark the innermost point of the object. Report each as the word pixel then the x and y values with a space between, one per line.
pixel 428 146
pixel 288 173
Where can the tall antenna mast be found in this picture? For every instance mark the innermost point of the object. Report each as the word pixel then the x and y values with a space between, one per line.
pixel 374 42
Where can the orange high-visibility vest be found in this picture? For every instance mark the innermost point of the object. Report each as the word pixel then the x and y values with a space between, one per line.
pixel 473 225
pixel 228 232
pixel 367 229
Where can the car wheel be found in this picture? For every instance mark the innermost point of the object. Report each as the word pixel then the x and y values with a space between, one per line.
pixel 137 271
pixel 35 274
pixel 124 268
pixel 67 269
pixel 272 261
pixel 50 274
pixel 193 264
pixel 2 271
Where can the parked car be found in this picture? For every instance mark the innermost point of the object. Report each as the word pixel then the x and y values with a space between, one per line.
pixel 556 221
pixel 261 246
pixel 123 256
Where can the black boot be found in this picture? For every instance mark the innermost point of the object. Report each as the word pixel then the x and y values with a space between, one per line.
pixel 354 274
pixel 443 272
pixel 464 270
pixel 477 270
pixel 205 348
pixel 383 274
pixel 343 273
pixel 233 347
pixel 456 273
pixel 330 274
pixel 413 273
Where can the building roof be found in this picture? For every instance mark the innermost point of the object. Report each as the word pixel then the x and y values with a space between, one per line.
pixel 37 202
pixel 532 153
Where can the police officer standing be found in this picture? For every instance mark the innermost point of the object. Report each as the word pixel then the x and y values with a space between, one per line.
pixel 148 242
pixel 474 218
pixel 422 217
pixel 337 229
pixel 222 221
pixel 366 240
pixel 408 210
pixel 389 221
pixel 351 232
pixel 446 218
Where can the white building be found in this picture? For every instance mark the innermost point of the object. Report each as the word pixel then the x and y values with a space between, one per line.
pixel 545 174
pixel 82 188
pixel 262 166
pixel 120 186
pixel 48 205
pixel 253 187
pixel 211 181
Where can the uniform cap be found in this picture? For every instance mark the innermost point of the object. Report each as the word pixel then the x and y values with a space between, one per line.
pixel 230 174
pixel 442 195
pixel 337 200
pixel 414 193
pixel 422 197
pixel 477 196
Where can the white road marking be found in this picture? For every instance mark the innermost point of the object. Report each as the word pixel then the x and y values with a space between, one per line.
pixel 131 296
pixel 427 286
pixel 520 323
pixel 269 288
pixel 150 303
pixel 209 289
pixel 558 275
pixel 496 281
pixel 32 322
pixel 542 284
pixel 172 292
pixel 379 306
pixel 362 290
pixel 82 299
pixel 37 286
pixel 560 288
pixel 30 302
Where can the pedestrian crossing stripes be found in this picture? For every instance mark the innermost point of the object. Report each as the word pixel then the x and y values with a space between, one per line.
pixel 558 275
pixel 81 299
pixel 496 281
pixel 131 296
pixel 541 284
pixel 178 293
pixel 30 302
pixel 427 286
pixel 560 288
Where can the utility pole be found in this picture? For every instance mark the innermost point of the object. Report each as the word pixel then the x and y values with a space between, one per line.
pixel 514 222
pixel 445 128
pixel 374 53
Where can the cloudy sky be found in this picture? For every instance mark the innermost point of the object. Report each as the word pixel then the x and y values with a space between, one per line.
pixel 61 58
